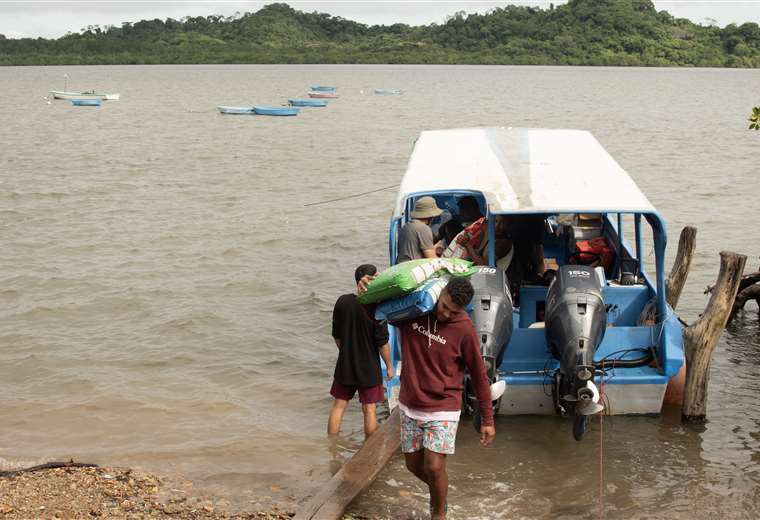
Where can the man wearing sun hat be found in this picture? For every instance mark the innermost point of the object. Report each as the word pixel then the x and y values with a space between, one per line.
pixel 416 238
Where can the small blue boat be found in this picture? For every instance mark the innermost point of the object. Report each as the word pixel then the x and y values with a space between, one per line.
pixel 275 111
pixel 388 92
pixel 235 110
pixel 86 102
pixel 322 88
pixel 307 102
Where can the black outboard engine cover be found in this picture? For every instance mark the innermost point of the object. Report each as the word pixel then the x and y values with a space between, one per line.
pixel 575 321
pixel 492 316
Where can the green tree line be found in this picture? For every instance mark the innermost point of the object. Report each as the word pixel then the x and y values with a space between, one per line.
pixel 581 32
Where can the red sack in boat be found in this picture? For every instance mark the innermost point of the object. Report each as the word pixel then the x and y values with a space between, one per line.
pixel 473 233
pixel 594 252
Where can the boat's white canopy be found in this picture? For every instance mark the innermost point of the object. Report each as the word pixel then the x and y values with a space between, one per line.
pixel 522 170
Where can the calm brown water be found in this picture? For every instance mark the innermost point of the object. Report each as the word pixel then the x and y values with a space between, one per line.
pixel 165 296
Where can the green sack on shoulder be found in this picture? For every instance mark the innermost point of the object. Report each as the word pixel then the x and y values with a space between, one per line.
pixel 405 277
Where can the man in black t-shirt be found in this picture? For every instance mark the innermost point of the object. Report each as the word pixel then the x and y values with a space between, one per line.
pixel 360 340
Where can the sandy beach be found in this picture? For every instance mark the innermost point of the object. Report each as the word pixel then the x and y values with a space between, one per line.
pixel 105 492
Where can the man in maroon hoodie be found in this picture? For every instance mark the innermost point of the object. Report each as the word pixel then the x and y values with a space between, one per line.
pixel 436 350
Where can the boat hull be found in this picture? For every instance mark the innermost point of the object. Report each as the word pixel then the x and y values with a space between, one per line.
pixel 323 95
pixel 240 111
pixel 275 111
pixel 387 92
pixel 322 88
pixel 59 94
pixel 623 399
pixel 86 102
pixel 307 102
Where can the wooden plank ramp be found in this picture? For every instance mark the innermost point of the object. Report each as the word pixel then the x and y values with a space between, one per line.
pixel 360 471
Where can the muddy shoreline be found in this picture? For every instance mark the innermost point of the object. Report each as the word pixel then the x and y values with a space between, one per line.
pixel 109 492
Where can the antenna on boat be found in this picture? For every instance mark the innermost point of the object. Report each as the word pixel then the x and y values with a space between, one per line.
pixel 65 82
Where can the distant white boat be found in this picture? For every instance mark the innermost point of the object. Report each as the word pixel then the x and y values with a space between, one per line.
pixel 87 94
pixel 388 92
pixel 235 110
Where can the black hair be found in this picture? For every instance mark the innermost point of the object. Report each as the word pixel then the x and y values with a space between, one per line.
pixel 364 270
pixel 469 201
pixel 460 291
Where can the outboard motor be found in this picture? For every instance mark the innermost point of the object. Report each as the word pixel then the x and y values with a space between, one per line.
pixel 492 317
pixel 575 321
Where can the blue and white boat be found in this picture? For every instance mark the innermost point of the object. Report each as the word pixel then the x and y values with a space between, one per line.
pixel 275 111
pixel 86 102
pixel 307 102
pixel 323 88
pixel 595 339
pixel 388 92
pixel 235 110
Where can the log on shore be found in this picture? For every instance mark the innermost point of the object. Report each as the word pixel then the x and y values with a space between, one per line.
pixel 359 472
pixel 702 336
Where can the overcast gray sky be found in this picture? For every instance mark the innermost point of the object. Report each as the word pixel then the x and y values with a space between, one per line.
pixel 51 19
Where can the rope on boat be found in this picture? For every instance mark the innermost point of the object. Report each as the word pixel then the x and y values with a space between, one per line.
pixel 351 196
pixel 47 465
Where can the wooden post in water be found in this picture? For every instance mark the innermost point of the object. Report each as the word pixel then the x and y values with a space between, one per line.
pixel 701 337
pixel 749 293
pixel 749 289
pixel 673 287
pixel 677 277
pixel 360 471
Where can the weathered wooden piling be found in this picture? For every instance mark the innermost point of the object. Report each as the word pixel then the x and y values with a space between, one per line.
pixel 677 278
pixel 688 388
pixel 360 471
pixel 701 337
pixel 749 293
pixel 674 285
pixel 749 289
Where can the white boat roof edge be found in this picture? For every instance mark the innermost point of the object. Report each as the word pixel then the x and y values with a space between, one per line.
pixel 522 170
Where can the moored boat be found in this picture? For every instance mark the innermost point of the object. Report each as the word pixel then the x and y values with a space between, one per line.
pixel 88 94
pixel 223 109
pixel 323 95
pixel 275 111
pixel 86 102
pixel 574 308
pixel 388 92
pixel 307 102
pixel 323 88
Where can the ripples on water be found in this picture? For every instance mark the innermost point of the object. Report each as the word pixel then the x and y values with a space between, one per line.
pixel 165 297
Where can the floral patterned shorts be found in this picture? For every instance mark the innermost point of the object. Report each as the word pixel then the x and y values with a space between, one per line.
pixel 437 436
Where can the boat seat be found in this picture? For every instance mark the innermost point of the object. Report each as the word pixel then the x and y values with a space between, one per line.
pixel 625 303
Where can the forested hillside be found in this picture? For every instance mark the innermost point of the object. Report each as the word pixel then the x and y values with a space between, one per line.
pixel 581 32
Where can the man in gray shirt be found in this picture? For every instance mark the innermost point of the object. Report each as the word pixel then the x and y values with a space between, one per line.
pixel 416 238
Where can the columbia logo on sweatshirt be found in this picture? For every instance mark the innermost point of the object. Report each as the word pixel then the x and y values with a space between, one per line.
pixel 422 330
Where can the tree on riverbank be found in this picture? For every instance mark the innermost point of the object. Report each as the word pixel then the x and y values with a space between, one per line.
pixel 754 119
pixel 581 32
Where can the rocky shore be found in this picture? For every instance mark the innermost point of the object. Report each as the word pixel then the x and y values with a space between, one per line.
pixel 113 493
